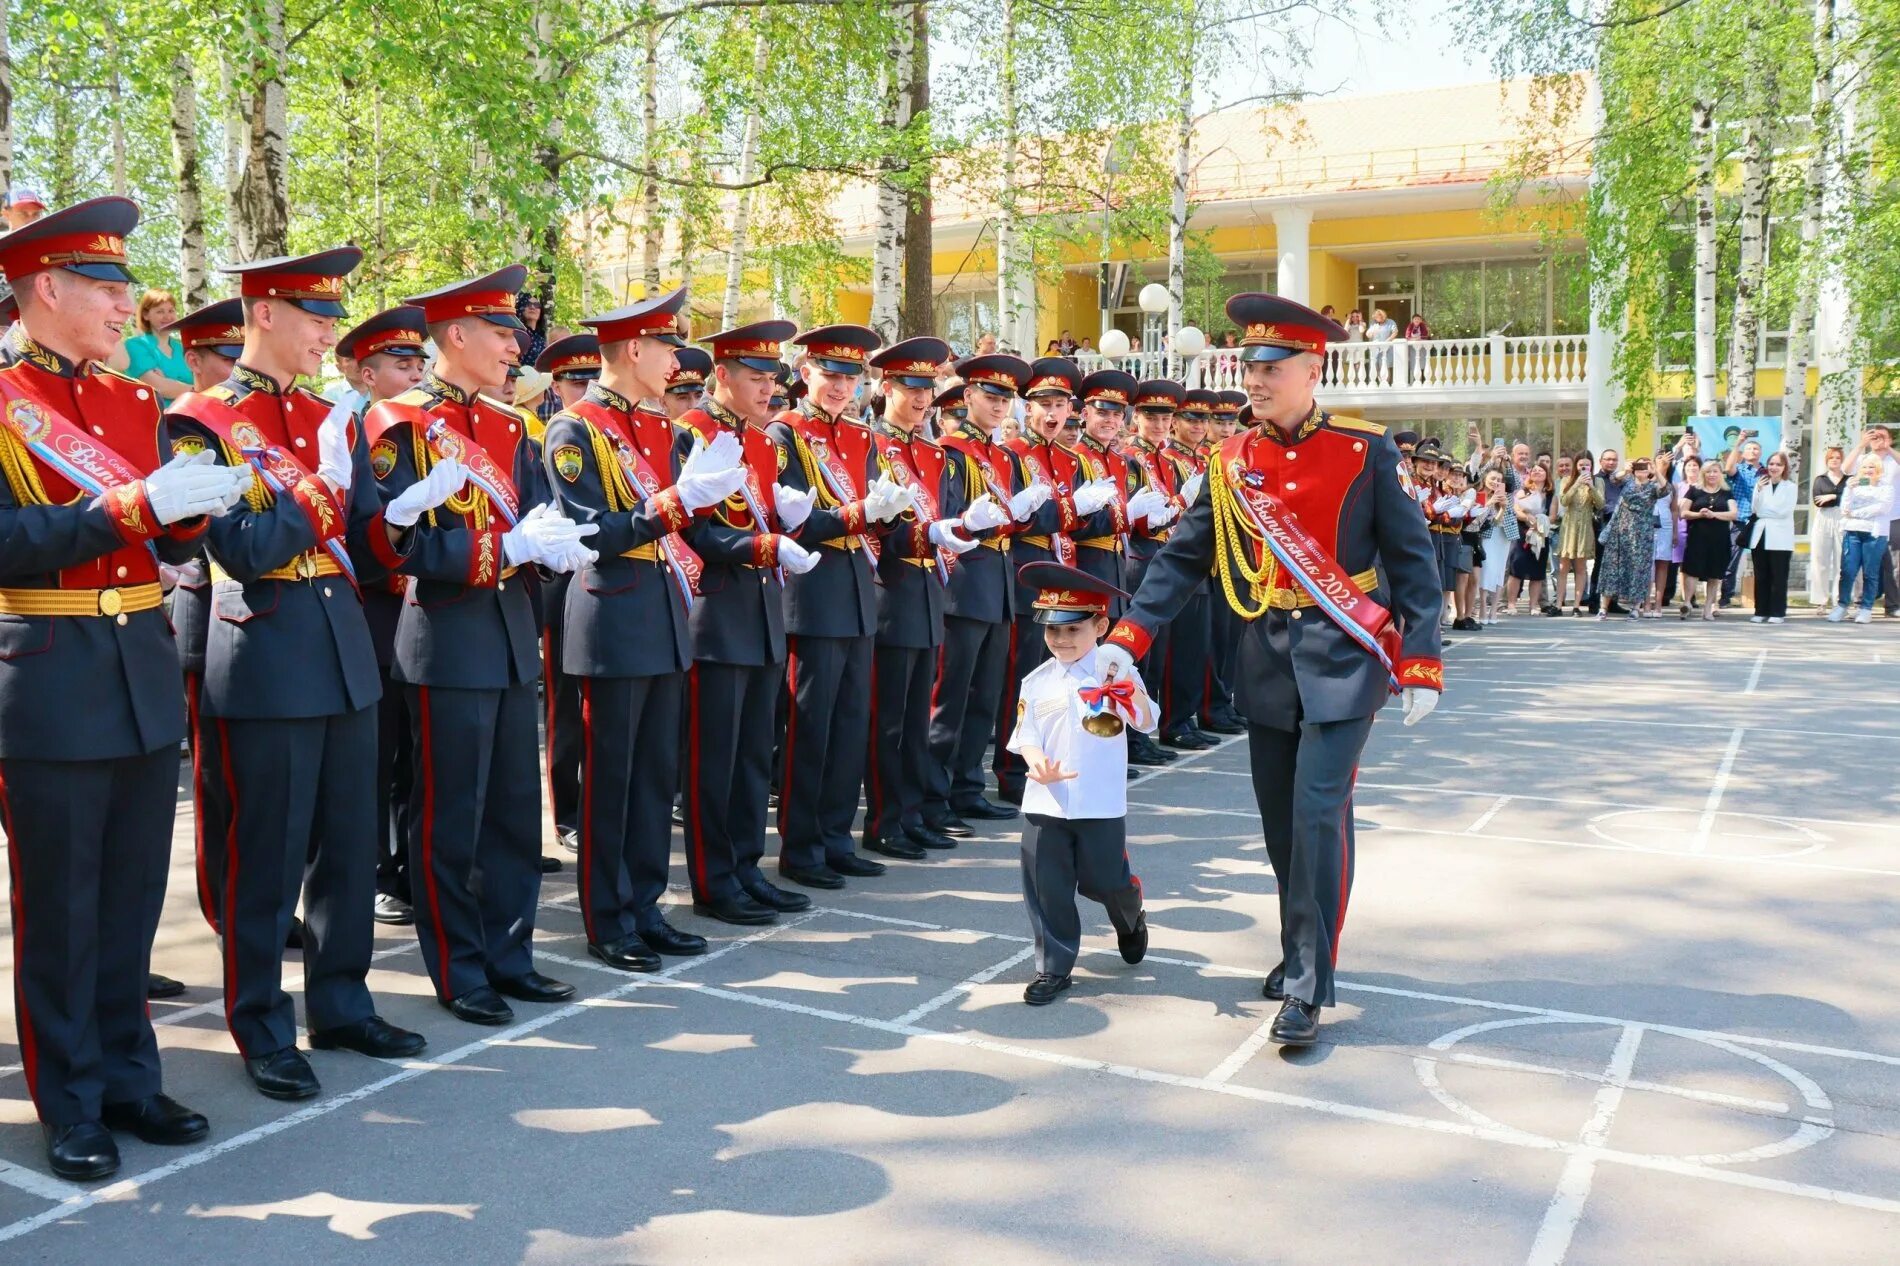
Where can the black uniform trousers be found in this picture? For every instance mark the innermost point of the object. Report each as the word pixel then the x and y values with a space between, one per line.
pixel 302 821
pixel 210 803
pixel 630 734
pixel 475 833
pixel 728 774
pixel 561 695
pixel 88 845
pixel 1027 650
pixel 1184 688
pixel 827 730
pixel 395 780
pixel 970 670
pixel 1064 856
pixel 1224 630
pixel 898 775
pixel 1302 782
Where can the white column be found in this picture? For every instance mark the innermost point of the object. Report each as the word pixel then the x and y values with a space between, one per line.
pixel 1840 406
pixel 1602 429
pixel 1290 226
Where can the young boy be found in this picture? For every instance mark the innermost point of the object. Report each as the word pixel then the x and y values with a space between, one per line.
pixel 1070 732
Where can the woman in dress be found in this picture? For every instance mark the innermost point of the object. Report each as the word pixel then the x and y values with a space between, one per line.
pixel 1824 531
pixel 1668 546
pixel 1531 554
pixel 1578 502
pixel 1629 545
pixel 1709 508
pixel 1496 505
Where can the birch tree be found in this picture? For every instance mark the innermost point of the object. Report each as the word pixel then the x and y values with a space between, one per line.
pixel 1808 266
pixel 1702 132
pixel 188 189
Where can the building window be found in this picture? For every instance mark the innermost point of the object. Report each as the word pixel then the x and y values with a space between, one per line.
pixel 965 315
pixel 1473 298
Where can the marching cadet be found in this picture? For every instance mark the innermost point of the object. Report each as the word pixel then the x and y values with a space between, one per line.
pixel 467 654
pixel 746 547
pixel 1068 729
pixel 290 675
pixel 611 464
pixel 1217 714
pixel 1191 672
pixel 830 611
pixel 1302 504
pixel 387 353
pixel 211 338
pixel 980 607
pixel 573 363
pixel 1145 454
pixel 914 568
pixel 686 388
pixel 90 710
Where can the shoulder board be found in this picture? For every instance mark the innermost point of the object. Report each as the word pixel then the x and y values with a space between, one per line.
pixel 853 422
pixel 220 392
pixel 106 371
pixel 927 442
pixel 415 398
pixel 308 394
pixel 1355 424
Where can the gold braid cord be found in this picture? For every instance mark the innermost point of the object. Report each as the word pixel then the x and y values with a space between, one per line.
pixel 613 480
pixel 17 464
pixel 471 500
pixel 814 477
pixel 1232 533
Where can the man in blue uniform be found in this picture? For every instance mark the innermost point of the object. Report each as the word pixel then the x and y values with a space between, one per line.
pixel 1301 514
pixel 686 386
pixel 91 713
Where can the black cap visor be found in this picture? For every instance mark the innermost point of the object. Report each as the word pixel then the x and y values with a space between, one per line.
pixel 994 389
pixel 1260 353
pixel 849 368
pixel 508 319
pixel 1064 617
pixel 102 272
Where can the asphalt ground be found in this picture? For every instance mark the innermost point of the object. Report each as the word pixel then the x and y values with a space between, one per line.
pixel 1617 985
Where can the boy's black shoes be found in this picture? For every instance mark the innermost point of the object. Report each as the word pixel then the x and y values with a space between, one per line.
pixel 1134 942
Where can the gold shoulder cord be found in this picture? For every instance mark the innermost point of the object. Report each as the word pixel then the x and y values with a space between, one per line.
pixel 814 477
pixel 613 480
pixel 471 500
pixel 1232 531
pixel 17 465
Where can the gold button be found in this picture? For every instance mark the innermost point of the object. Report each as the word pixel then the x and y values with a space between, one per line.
pixel 121 573
pixel 122 621
pixel 326 591
pixel 1291 455
pixel 501 585
pixel 1291 485
pixel 1357 446
pixel 1297 613
pixel 111 602
pixel 306 566
pixel 98 430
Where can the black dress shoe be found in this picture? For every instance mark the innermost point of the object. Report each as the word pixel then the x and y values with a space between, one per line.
pixel 1133 773
pixel 740 910
pixel 532 986
pixel 1296 1025
pixel 1220 725
pixel 1275 987
pixel 1227 716
pixel 1212 740
pixel 283 1074
pixel 1134 943
pixel 294 938
pixel 480 1005
pixel 926 837
pixel 663 938
pixel 812 876
pixel 374 1037
pixel 82 1153
pixel 631 954
pixel 569 838
pixel 393 911
pixel 856 867
pixel 157 986
pixel 947 823
pixel 157 1119
pixel 895 845
pixel 551 865
pixel 770 895
pixel 1043 990
pixel 1010 795
pixel 984 810
pixel 1185 740
pixel 1143 750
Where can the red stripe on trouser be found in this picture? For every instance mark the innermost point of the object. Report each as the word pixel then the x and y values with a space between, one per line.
pixel 425 743
pixel 230 883
pixel 874 786
pixel 936 684
pixel 1345 862
pixel 791 734
pixel 586 881
pixel 695 828
pixel 29 1043
pixel 548 690
pixel 1006 715
pixel 207 904
pixel 1207 688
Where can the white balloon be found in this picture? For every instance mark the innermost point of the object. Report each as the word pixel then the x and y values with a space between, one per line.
pixel 1154 297
pixel 1189 341
pixel 1113 343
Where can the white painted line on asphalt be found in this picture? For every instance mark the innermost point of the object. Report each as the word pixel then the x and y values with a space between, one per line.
pixel 1242 1054
pixel 1754 676
pixel 1649 1087
pixel 1579 1173
pixel 34 1183
pixel 964 986
pixel 1151 772
pixel 131 1187
pixel 1700 844
pixel 1793 863
pixel 1484 819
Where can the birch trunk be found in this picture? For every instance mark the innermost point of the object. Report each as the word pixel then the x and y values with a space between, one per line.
pixel 653 232
pixel 887 261
pixel 230 88
pixel 741 225
pixel 918 303
pixel 1008 245
pixel 115 109
pixel 548 156
pixel 263 191
pixel 1178 198
pixel 1744 342
pixel 6 102
pixel 189 193
pixel 1702 131
pixel 1794 389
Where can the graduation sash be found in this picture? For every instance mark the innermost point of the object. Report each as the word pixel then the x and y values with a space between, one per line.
pixel 687 567
pixel 820 453
pixel 929 510
pixel 1036 458
pixel 79 458
pixel 447 443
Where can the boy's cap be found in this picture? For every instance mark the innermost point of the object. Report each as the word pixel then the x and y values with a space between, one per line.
pixel 1065 595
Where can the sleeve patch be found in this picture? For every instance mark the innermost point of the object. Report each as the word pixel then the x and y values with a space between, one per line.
pixel 784 457
pixel 567 462
pixel 382 458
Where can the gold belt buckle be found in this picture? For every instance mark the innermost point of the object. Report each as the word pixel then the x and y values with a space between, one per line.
pixel 111 602
pixel 306 566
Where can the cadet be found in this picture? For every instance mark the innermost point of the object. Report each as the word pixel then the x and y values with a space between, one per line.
pixel 467 651
pixel 1220 716
pixel 1145 453
pixel 830 611
pixel 746 547
pixel 387 353
pixel 90 710
pixel 686 387
pixel 1304 503
pixel 1068 729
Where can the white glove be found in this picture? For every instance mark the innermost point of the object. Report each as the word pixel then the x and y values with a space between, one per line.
pixel 1192 488
pixel 543 536
pixel 240 488
pixel 1417 701
pixel 1164 516
pixel 1112 661
pixel 189 574
pixel 723 453
pixel 334 463
pixel 1444 503
pixel 984 514
pixel 1029 500
pixel 1092 496
pixel 943 535
pixel 885 500
pixel 794 506
pixel 795 558
pixel 1146 503
pixel 704 488
pixel 186 487
pixel 444 480
pixel 569 558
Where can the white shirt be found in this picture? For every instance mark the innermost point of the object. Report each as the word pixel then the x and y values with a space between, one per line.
pixel 1049 716
pixel 1774 515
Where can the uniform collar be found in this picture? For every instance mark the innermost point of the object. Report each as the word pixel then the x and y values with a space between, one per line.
pixel 1081 668
pixel 606 396
pixel 20 346
pixel 1094 445
pixel 250 380
pixel 1145 446
pixel 898 433
pixel 725 417
pixel 1306 428
pixel 446 390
